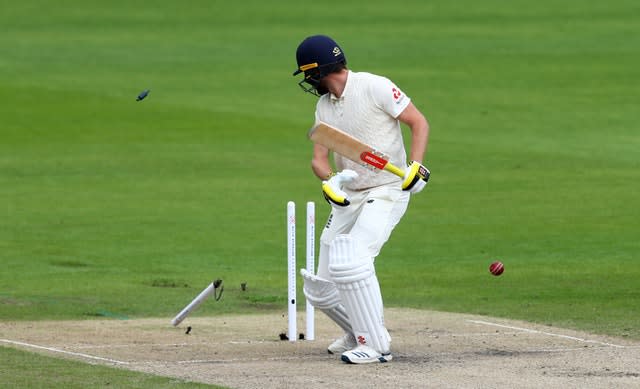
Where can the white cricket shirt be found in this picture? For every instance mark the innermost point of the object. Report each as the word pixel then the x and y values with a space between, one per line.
pixel 367 110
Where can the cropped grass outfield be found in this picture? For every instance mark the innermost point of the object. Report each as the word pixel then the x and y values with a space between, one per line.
pixel 113 208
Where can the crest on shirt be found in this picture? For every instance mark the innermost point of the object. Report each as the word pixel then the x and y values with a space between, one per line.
pixel 398 96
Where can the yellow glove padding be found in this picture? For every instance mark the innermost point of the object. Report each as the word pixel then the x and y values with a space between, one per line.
pixel 332 188
pixel 415 177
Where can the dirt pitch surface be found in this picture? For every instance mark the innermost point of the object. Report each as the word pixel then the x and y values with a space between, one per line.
pixel 430 349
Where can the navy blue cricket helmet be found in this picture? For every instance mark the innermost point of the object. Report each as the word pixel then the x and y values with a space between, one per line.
pixel 318 56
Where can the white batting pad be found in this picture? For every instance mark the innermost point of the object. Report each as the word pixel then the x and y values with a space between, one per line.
pixel 357 284
pixel 323 295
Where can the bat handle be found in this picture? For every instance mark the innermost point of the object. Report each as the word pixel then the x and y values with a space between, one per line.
pixel 394 169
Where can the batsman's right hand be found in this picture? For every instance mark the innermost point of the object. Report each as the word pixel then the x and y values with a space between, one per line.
pixel 415 178
pixel 332 188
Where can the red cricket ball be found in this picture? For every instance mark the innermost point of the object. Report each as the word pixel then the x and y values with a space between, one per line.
pixel 496 268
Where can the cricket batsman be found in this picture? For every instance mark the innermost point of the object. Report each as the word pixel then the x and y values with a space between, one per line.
pixel 366 205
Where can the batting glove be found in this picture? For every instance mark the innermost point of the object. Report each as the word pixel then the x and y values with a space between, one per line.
pixel 415 177
pixel 332 188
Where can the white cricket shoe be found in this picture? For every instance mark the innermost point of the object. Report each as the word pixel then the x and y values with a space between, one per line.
pixel 346 343
pixel 365 354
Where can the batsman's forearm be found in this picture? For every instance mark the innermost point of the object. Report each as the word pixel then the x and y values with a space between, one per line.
pixel 322 170
pixel 419 126
pixel 320 162
pixel 419 141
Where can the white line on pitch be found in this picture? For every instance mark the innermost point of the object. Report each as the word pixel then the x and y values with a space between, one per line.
pixel 57 350
pixel 275 359
pixel 545 333
pixel 89 346
pixel 101 346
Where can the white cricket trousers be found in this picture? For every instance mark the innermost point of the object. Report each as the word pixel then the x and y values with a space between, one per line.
pixel 369 219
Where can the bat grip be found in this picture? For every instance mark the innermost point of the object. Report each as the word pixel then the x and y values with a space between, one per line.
pixel 394 169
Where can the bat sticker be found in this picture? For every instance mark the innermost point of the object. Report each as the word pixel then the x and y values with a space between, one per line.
pixel 373 160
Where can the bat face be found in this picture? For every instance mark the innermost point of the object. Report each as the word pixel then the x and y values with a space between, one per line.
pixel 352 148
pixel 346 145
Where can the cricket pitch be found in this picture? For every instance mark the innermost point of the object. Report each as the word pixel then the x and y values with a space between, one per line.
pixel 430 349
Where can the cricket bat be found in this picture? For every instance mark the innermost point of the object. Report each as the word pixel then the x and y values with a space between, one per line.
pixel 346 145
